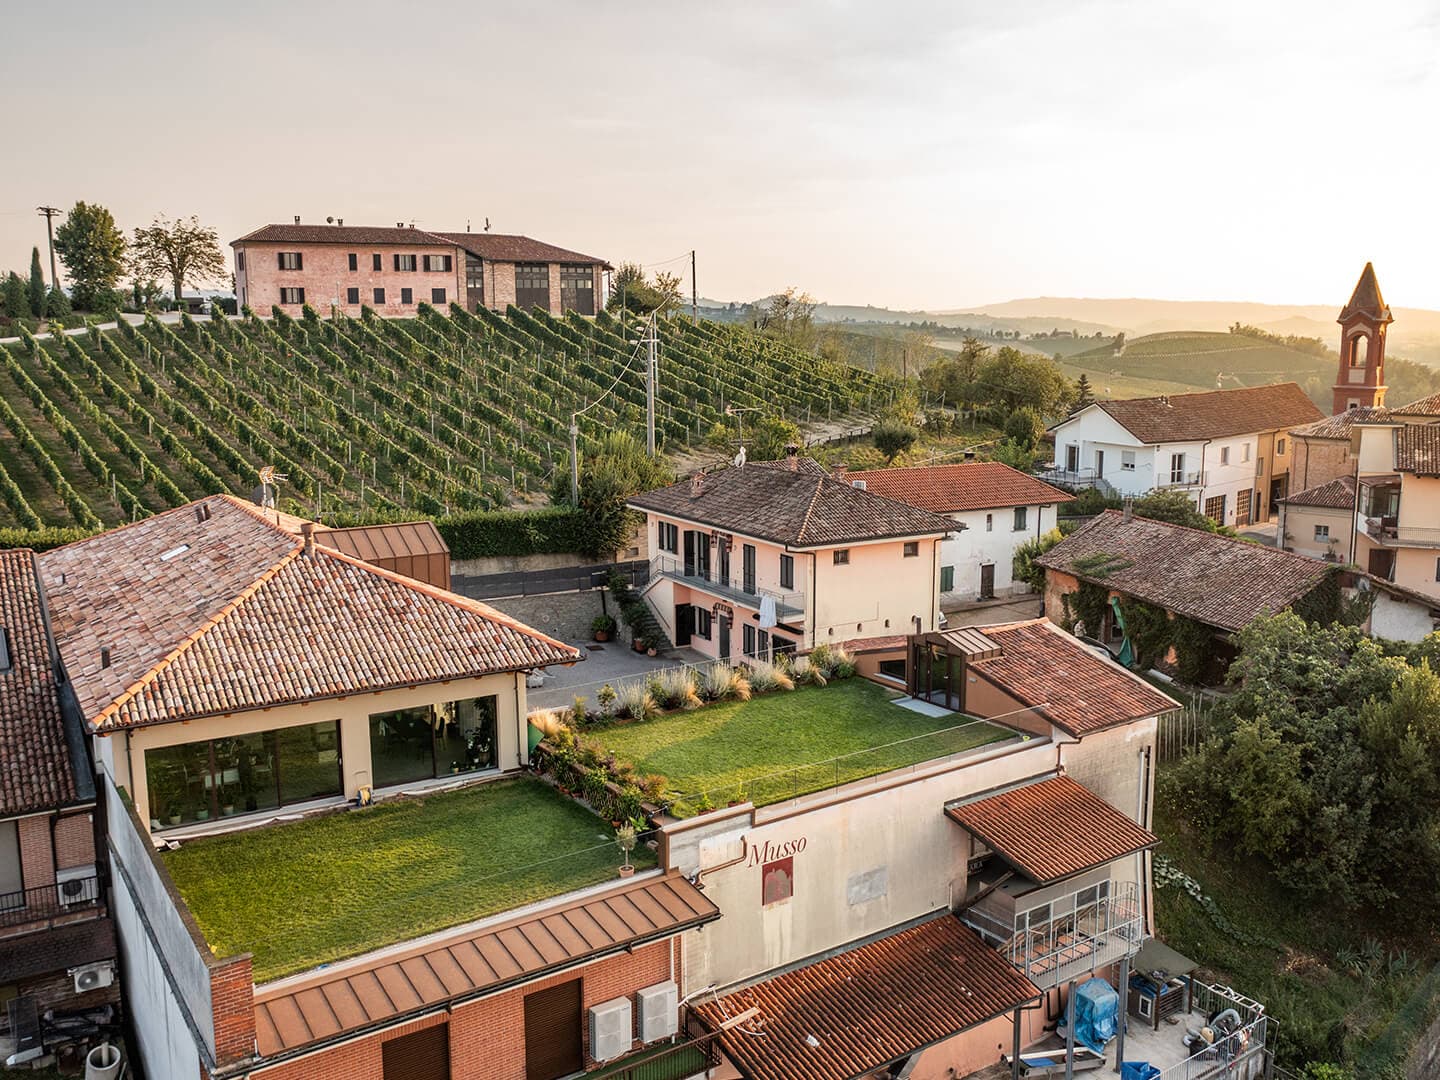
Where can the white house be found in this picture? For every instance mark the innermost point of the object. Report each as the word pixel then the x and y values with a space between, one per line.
pixel 996 508
pixel 1229 450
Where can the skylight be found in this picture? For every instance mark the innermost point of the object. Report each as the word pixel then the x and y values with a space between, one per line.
pixel 166 556
pixel 5 662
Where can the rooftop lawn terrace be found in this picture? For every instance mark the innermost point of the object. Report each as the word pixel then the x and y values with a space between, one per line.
pixel 315 891
pixel 789 743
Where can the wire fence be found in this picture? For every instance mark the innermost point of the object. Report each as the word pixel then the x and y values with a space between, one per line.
pixel 1180 733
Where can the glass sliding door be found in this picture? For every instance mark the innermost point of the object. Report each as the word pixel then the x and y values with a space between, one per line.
pixel 402 746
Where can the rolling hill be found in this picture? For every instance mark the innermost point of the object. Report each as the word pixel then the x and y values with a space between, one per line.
pixel 1204 360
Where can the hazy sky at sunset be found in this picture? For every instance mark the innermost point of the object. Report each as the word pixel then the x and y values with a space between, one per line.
pixel 938 155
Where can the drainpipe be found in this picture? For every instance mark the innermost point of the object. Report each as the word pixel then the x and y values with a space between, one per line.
pixel 1355 516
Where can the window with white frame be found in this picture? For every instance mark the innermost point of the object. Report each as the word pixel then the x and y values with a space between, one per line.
pixel 1020 518
pixel 1224 455
pixel 1127 460
pixel 1322 534
pixel 1245 451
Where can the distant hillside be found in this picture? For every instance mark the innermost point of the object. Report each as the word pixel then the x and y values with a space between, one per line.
pixel 1204 360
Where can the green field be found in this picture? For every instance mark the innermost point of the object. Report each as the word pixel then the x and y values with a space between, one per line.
pixel 392 417
pixel 1195 359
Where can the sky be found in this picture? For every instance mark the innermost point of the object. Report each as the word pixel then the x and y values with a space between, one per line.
pixel 906 155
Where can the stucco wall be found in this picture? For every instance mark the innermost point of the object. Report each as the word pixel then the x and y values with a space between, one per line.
pixel 975 546
pixel 1399 619
pixel 1298 531
pixel 1318 461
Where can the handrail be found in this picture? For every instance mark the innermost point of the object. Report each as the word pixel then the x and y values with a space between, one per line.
pixel 786 603
pixel 48 902
pixel 1081 934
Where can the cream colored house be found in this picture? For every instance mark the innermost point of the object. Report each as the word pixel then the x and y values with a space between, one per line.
pixel 1397 511
pixel 1320 521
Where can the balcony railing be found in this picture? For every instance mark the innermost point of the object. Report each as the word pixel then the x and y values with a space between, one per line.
pixel 1387 531
pixel 698 1054
pixel 50 903
pixel 788 605
pixel 1180 479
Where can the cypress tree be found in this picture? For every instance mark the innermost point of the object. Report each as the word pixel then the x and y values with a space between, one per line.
pixel 37 285
pixel 15 297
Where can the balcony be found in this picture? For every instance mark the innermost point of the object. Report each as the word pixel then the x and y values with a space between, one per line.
pixel 51 905
pixel 789 606
pixel 1179 479
pixel 1388 531
pixel 695 1056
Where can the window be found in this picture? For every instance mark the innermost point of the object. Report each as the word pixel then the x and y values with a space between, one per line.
pixel 407 296
pixel 1437 569
pixel 532 286
pixel 1245 451
pixel 375 263
pixel 437 296
pixel 292 296
pixel 668 537
pixel 989 522
pixel 577 289
pixel 290 260
pixel 842 557
pixel 438 263
pixel 379 296
pixel 404 262
pixel 11 880
pixel 1072 458
pixel 762 645
pixel 1259 466
pixel 747 568
pixel 352 296
pixel 704 623
pixel 240 260
pixel 474 280
pixel 1020 512
pixel 1322 534
pixel 893 669
pixel 747 638
pixel 1280 447
pixel 1224 455
pixel 421 1055
pixel 1177 468
pixel 1127 460
pixel 947 579
pixel 354 261
pixel 432 740
pixel 1215 509
pixel 912 549
pixel 6 663
pixel 781 646
pixel 787 571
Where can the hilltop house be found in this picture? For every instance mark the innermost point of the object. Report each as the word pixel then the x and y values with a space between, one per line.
pixel 392 270
pixel 1228 450
pixel 236 675
pixel 786 556
pixel 995 509
pixel 57 941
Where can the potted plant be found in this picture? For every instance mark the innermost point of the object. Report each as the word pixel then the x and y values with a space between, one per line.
pixel 625 841
pixel 639 643
pixel 602 626
pixel 165 792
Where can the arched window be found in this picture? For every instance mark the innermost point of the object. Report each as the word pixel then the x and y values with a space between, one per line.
pixel 1359 350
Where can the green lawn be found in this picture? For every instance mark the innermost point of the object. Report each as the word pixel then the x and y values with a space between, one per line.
pixel 315 891
pixel 782 744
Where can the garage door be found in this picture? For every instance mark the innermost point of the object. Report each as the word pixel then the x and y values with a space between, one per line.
pixel 553 1032
pixel 423 1055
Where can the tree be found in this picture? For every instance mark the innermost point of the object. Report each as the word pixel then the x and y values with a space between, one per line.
pixel 1015 379
pixel 765 437
pixel 37 285
pixel 893 437
pixel 614 470
pixel 1084 394
pixel 790 316
pixel 93 251
pixel 1025 428
pixel 632 291
pixel 1023 565
pixel 183 250
pixel 57 304
pixel 1174 507
pixel 15 297
pixel 1008 452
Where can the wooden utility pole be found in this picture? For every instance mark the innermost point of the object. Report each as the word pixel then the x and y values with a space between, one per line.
pixel 48 213
pixel 694 292
pixel 652 375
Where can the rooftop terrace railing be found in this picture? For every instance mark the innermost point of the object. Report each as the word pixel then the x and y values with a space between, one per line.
pixel 1083 937
pixel 1241 1049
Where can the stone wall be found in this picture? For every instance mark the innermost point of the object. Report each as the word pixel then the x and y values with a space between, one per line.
pixel 1424 1063
pixel 566 616
pixel 1318 461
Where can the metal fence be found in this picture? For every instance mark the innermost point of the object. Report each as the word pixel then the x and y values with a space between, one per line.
pixel 1243 1054
pixel 675 1062
pixel 45 903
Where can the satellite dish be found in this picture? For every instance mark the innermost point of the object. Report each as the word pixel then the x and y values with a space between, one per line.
pixel 740 457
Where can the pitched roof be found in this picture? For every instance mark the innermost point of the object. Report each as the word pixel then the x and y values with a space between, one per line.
pixel 1338 494
pixel 502 247
pixel 1417 449
pixel 869 1006
pixel 1052 829
pixel 970 485
pixel 802 507
pixel 1339 425
pixel 327 1005
pixel 1216 414
pixel 1213 579
pixel 498 247
pixel 1426 406
pixel 210 608
pixel 37 768
pixel 1366 299
pixel 1039 664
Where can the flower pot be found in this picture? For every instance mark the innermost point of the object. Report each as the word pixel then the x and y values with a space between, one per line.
pixel 650 652
pixel 228 810
pixel 626 871
pixel 602 635
pixel 174 819
pixel 639 645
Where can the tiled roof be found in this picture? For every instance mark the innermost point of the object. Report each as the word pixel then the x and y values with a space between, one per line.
pixel 37 771
pixel 971 485
pixel 1339 425
pixel 1213 579
pixel 803 507
pixel 1052 829
pixel 1039 664
pixel 1366 299
pixel 330 1003
pixel 1338 494
pixel 1417 449
pixel 1426 406
pixel 500 247
pixel 202 617
pixel 1217 414
pixel 851 1014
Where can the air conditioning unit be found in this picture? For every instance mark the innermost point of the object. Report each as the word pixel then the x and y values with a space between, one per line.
pixel 659 1009
pixel 610 1029
pixel 93 976
pixel 76 886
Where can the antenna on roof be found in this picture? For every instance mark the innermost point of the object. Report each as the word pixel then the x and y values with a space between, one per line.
pixel 266 494
pixel 487 224
pixel 467 224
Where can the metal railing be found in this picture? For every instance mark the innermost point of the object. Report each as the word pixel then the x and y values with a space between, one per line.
pixel 47 903
pixel 1173 480
pixel 1241 1051
pixel 1082 937
pixel 699 1053
pixel 788 605
pixel 1388 531
pixel 1071 478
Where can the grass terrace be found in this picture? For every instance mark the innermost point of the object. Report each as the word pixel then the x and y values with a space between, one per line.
pixel 319 890
pixel 781 745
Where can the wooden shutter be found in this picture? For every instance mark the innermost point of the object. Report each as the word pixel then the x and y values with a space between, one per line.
pixel 553 1032
pixel 421 1055
pixel 280 260
pixel 299 260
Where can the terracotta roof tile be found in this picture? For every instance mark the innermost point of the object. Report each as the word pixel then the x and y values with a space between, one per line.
pixel 1339 425
pixel 971 485
pixel 36 769
pixel 497 247
pixel 869 1006
pixel 1052 829
pixel 803 507
pixel 1216 580
pixel 1417 449
pixel 1426 406
pixel 225 614
pixel 500 247
pixel 1338 494
pixel 1217 414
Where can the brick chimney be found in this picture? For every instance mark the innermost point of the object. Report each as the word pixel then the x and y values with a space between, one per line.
pixel 307 531
pixel 697 484
pixel 792 457
pixel 842 473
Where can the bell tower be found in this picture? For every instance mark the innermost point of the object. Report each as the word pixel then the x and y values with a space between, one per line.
pixel 1360 382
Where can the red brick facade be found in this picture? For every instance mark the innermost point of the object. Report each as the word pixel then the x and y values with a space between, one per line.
pixel 232 999
pixel 326 277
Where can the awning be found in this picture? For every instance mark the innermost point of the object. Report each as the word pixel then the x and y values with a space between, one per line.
pixel 870 1006
pixel 1155 955
pixel 1052 829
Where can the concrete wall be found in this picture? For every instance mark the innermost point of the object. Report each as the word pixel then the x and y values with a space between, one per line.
pixel 968 550
pixel 326 275
pixel 1400 619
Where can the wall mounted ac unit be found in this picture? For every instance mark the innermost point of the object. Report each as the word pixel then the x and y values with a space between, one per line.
pixel 659 1009
pixel 93 976
pixel 610 1029
pixel 76 886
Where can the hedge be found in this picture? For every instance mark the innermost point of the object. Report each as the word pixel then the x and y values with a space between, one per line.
pixel 44 538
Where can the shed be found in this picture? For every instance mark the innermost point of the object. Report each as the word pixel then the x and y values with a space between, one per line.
pixel 413 548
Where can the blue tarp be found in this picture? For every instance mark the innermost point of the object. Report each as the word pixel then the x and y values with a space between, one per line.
pixel 1138 1070
pixel 1097 1011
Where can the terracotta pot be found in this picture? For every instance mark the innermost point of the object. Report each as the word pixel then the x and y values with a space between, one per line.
pixel 626 871
pixel 639 645
pixel 650 652
pixel 602 635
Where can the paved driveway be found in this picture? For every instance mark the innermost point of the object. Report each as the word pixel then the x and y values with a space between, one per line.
pixel 602 664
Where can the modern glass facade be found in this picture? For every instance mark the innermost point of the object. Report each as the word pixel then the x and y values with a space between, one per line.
pixel 454 737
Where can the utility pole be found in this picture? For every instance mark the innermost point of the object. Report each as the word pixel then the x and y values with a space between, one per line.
pixel 652 375
pixel 694 292
pixel 574 461
pixel 48 213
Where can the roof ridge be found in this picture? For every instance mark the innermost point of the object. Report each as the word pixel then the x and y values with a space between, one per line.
pixel 810 509
pixel 129 693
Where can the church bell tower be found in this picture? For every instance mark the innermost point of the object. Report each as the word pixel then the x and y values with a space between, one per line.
pixel 1360 382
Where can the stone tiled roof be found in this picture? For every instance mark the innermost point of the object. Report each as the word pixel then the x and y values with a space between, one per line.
pixel 1218 414
pixel 37 771
pixel 1339 426
pixel 209 609
pixel 1039 664
pixel 1417 449
pixel 498 247
pixel 1052 829
pixel 852 1014
pixel 1366 299
pixel 802 506
pixel 1338 494
pixel 971 485
pixel 1213 579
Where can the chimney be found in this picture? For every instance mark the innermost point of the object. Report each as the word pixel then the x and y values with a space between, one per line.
pixel 697 484
pixel 1128 513
pixel 105 656
pixel 1165 400
pixel 297 219
pixel 842 473
pixel 307 531
pixel 339 221
pixel 792 457
pixel 202 513
pixel 399 224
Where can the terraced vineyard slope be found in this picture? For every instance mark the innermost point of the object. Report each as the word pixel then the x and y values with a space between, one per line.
pixel 421 416
pixel 1196 359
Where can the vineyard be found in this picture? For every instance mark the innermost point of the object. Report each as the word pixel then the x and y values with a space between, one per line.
pixel 1197 358
pixel 367 416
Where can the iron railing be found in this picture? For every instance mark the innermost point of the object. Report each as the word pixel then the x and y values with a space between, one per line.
pixel 1388 531
pixel 1181 479
pixel 1081 936
pixel 699 1053
pixel 788 605
pixel 47 903
pixel 1241 1051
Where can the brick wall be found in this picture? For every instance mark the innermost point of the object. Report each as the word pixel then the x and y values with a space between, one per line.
pixel 1318 461
pixel 37 857
pixel 326 275
pixel 75 841
pixel 232 998
pixel 1057 586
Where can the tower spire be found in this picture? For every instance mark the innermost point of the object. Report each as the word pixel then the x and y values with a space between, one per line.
pixel 1360 382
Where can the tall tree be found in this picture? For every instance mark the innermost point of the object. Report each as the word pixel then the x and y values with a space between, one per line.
pixel 37 285
pixel 183 250
pixel 1084 393
pixel 14 296
pixel 93 251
